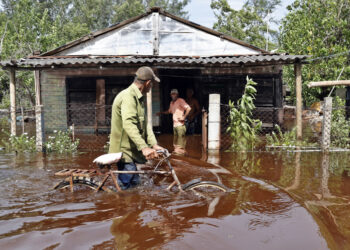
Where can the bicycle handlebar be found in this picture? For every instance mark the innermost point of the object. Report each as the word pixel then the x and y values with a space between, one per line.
pixel 165 152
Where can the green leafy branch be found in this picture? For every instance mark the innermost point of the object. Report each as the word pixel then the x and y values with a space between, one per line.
pixel 242 128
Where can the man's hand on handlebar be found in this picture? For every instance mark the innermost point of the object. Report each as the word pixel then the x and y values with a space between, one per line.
pixel 158 148
pixel 149 153
pixel 161 150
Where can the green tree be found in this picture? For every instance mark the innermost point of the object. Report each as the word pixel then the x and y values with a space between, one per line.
pixel 250 24
pixel 130 8
pixel 320 29
pixel 28 26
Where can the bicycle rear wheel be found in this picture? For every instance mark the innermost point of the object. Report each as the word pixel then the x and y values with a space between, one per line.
pixel 82 182
pixel 207 187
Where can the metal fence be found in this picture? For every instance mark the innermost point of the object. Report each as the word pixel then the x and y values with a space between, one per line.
pixel 25 121
pixel 269 116
pixel 90 123
pixel 312 121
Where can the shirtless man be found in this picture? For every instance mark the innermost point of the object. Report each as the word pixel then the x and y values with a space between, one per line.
pixel 192 119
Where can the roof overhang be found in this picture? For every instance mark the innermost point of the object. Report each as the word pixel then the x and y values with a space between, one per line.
pixel 42 62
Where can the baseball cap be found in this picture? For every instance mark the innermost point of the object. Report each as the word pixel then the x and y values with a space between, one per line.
pixel 174 91
pixel 146 73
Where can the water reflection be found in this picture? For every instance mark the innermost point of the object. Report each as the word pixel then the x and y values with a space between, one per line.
pixel 317 181
pixel 32 216
pixel 179 143
pixel 296 181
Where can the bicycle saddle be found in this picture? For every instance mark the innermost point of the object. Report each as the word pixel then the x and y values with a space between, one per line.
pixel 108 159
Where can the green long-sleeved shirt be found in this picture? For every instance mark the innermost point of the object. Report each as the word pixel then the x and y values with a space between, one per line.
pixel 129 130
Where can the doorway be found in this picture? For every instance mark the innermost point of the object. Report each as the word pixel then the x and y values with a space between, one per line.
pixel 180 79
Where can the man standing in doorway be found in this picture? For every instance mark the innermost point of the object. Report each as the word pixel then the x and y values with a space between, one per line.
pixel 192 119
pixel 130 132
pixel 180 110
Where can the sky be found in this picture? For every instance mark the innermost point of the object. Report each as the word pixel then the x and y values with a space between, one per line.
pixel 201 13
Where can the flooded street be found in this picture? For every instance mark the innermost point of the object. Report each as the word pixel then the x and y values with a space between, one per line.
pixel 280 201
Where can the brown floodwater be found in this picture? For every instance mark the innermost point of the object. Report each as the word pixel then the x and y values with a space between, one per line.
pixel 281 200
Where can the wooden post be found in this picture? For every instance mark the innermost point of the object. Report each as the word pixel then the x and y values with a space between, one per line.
pixel 299 107
pixel 39 117
pixel 204 129
pixel 149 109
pixel 22 114
pixel 155 33
pixel 155 42
pixel 13 100
pixel 100 103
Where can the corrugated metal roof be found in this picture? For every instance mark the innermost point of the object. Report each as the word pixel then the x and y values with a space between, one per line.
pixel 49 61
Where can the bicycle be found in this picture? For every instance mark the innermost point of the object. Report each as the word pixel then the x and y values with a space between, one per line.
pixel 84 177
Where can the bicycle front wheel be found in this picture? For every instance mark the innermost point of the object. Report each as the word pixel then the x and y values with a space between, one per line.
pixel 81 182
pixel 207 186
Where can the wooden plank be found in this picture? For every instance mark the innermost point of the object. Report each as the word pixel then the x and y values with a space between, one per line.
pixel 329 83
pixel 299 107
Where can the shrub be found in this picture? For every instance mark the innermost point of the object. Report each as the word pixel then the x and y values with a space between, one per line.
pixel 340 126
pixel 61 142
pixel 242 127
pixel 287 139
pixel 22 143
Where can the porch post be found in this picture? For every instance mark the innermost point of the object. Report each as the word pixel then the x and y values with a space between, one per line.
pixel 13 100
pixel 299 101
pixel 149 108
pixel 39 116
pixel 155 43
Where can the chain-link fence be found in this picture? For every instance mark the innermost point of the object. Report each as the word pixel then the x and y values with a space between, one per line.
pixel 89 123
pixel 269 116
pixel 285 118
pixel 25 121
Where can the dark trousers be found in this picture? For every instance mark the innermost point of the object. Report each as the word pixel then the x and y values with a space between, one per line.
pixel 127 180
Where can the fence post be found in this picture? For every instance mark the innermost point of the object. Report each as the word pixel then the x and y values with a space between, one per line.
pixel 299 104
pixel 13 100
pixel 326 126
pixel 39 115
pixel 214 122
pixel 22 120
pixel 40 134
pixel 204 129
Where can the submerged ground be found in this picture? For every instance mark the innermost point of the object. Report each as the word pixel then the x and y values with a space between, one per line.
pixel 282 200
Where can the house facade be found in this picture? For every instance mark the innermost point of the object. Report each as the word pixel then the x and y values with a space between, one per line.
pixel 77 82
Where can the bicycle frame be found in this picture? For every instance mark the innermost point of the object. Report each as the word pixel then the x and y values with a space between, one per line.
pixel 166 155
pixel 71 173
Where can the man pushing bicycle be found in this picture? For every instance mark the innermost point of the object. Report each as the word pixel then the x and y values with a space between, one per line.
pixel 130 132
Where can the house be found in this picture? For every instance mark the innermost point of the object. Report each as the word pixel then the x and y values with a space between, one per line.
pixel 77 82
